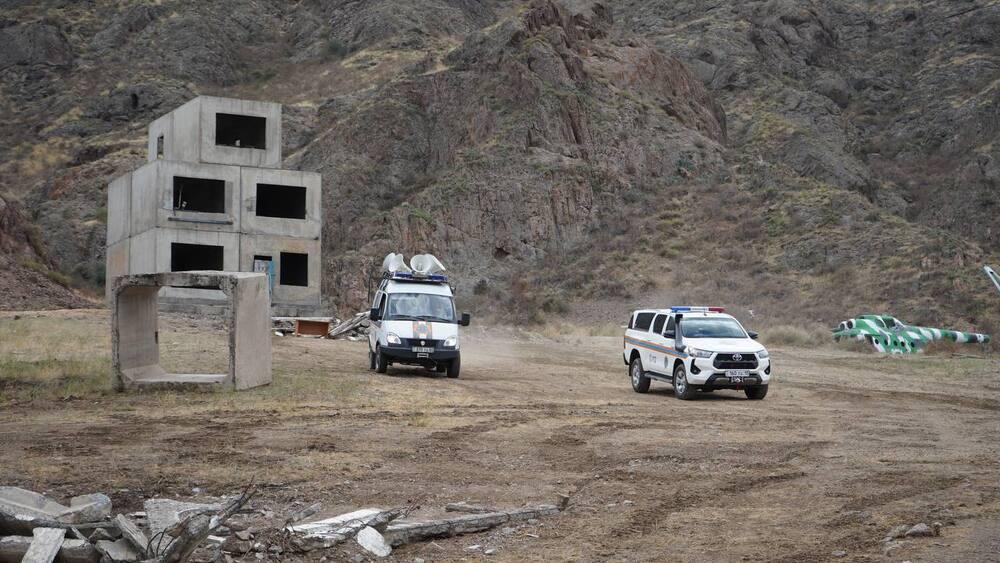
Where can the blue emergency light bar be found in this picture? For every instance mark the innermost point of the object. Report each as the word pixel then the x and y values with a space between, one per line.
pixel 688 309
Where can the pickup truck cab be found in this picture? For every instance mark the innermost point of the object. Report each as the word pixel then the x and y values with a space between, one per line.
pixel 694 349
pixel 413 322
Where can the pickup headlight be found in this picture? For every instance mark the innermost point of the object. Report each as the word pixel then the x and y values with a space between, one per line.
pixel 451 341
pixel 763 354
pixel 696 353
pixel 392 339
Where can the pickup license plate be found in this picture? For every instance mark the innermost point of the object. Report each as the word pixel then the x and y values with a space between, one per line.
pixel 422 349
pixel 737 375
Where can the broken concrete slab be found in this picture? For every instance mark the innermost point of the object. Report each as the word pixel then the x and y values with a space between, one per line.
pixel 131 532
pixel 372 541
pixel 468 508
pixel 88 508
pixel 407 532
pixel 118 550
pixel 164 514
pixel 336 526
pixel 44 545
pixel 14 548
pixel 30 504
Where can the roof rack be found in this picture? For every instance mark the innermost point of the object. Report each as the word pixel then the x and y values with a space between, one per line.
pixel 688 309
pixel 415 277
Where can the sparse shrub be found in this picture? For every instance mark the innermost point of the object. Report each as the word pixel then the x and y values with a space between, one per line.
pixel 788 335
pixel 336 49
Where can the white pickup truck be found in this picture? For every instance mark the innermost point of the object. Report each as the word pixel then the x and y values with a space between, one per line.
pixel 694 348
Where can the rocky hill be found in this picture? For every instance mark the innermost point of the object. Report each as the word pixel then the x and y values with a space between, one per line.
pixel 805 160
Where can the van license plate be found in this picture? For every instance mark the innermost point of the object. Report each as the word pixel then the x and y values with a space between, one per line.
pixel 422 350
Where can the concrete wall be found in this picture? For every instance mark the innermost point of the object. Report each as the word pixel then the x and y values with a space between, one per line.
pixel 252 223
pixel 153 192
pixel 181 130
pixel 273 246
pixel 134 336
pixel 119 208
pixel 117 262
pixel 250 339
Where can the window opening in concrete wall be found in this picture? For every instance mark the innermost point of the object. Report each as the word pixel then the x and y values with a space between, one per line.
pixel 199 194
pixel 186 257
pixel 288 202
pixel 294 269
pixel 159 147
pixel 245 131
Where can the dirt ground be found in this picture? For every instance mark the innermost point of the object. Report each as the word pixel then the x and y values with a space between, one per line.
pixel 845 447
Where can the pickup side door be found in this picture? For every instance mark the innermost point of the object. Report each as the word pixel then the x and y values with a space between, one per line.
pixel 658 358
pixel 668 340
pixel 638 336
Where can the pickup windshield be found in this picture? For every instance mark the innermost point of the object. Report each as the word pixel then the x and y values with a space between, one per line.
pixel 711 328
pixel 420 307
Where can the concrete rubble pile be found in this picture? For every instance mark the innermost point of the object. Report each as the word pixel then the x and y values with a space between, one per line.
pixel 36 529
pixel 354 328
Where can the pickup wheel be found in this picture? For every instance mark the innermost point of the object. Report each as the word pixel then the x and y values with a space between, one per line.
pixel 455 367
pixel 682 390
pixel 756 393
pixel 640 383
pixel 381 365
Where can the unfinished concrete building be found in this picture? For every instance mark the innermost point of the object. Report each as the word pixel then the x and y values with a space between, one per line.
pixel 211 197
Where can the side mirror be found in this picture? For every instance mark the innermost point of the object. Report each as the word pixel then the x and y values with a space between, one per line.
pixel 680 348
pixel 670 334
pixel 373 315
pixel 466 319
pixel 753 334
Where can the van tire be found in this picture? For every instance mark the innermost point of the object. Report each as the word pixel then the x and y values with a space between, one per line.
pixel 455 367
pixel 640 383
pixel 682 389
pixel 381 365
pixel 371 359
pixel 756 393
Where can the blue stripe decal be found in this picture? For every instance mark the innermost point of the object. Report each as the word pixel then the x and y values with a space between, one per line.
pixel 650 346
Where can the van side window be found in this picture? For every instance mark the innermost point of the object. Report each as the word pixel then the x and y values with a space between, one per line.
pixel 381 306
pixel 658 323
pixel 377 298
pixel 670 324
pixel 643 320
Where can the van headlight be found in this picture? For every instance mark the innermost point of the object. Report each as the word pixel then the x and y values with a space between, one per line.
pixel 392 339
pixel 763 354
pixel 696 353
pixel 451 341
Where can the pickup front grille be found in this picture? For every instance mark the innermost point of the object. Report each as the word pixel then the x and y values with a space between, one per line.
pixel 738 360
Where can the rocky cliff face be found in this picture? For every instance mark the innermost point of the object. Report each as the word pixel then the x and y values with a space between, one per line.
pixel 776 155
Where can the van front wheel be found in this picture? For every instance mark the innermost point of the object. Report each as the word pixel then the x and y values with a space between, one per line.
pixel 455 367
pixel 381 365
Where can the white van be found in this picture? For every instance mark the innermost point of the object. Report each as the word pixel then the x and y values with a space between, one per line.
pixel 413 318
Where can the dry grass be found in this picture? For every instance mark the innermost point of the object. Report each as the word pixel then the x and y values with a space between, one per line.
pixel 789 335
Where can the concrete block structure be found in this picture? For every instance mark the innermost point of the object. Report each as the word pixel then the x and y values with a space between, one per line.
pixel 135 348
pixel 211 197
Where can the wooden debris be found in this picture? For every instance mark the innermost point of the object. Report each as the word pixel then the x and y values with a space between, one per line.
pixel 408 532
pixel 350 324
pixel 469 508
pixel 311 328
pixel 45 545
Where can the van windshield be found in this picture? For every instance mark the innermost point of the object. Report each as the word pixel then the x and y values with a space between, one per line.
pixel 711 328
pixel 420 307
